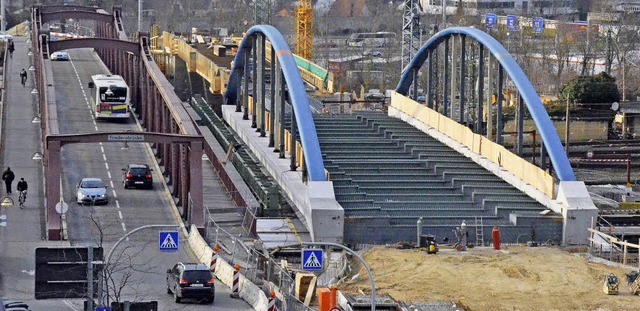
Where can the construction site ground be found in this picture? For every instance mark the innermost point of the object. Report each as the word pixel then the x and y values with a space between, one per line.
pixel 513 278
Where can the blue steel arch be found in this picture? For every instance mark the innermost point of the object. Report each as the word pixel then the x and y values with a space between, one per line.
pixel 527 92
pixel 297 94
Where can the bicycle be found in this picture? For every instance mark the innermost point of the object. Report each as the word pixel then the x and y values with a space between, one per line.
pixel 22 198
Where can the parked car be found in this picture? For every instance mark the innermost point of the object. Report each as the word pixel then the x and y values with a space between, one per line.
pixel 91 191
pixel 12 305
pixel 60 55
pixel 191 280
pixel 137 175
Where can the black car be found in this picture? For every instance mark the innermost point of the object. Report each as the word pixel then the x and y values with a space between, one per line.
pixel 12 305
pixel 191 280
pixel 137 175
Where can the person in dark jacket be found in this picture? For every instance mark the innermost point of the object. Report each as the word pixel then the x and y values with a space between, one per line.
pixel 8 176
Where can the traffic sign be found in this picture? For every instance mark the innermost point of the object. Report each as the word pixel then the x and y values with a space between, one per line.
pixel 168 241
pixel 312 259
pixel 512 23
pixel 62 207
pixel 537 24
pixel 6 202
pixel 490 20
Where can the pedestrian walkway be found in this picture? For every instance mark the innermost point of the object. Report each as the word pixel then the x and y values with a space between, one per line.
pixel 20 140
pixel 25 228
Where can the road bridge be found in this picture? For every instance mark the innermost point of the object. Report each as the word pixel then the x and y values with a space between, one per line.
pixel 361 177
pixel 281 114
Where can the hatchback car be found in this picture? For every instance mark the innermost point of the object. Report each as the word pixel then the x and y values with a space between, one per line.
pixel 91 191
pixel 137 175
pixel 60 55
pixel 191 280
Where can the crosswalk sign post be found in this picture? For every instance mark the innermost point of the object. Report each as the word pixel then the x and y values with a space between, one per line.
pixel 168 241
pixel 312 259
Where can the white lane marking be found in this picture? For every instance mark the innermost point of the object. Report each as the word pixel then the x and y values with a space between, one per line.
pixel 123 227
pixel 106 165
pixel 120 214
pixel 117 204
pixel 111 183
pixel 115 195
pixel 104 156
pixel 100 144
pixel 96 127
pixel 109 174
pixel 101 148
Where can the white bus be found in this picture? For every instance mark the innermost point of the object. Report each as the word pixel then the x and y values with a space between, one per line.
pixel 110 97
pixel 373 39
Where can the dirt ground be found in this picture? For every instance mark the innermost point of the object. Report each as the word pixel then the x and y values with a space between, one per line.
pixel 514 278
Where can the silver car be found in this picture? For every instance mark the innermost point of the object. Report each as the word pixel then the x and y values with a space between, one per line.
pixel 60 55
pixel 91 191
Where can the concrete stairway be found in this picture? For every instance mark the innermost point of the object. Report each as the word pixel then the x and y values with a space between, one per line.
pixel 387 174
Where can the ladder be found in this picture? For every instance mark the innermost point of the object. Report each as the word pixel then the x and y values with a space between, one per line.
pixel 479 232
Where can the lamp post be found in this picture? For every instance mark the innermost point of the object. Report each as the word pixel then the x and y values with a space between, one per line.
pixel 139 16
pixel 106 263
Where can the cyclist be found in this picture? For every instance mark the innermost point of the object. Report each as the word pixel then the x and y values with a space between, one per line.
pixel 23 76
pixel 22 189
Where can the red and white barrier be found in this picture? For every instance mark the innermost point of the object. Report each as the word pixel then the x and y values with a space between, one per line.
pixel 235 285
pixel 65 35
pixel 272 301
pixel 214 259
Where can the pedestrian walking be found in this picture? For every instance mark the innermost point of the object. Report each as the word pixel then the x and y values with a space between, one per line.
pixel 11 48
pixel 8 176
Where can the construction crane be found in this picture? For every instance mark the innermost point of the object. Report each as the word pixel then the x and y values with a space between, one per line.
pixel 410 33
pixel 303 28
pixel 262 12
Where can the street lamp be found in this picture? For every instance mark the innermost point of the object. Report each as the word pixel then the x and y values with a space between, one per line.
pixel 139 16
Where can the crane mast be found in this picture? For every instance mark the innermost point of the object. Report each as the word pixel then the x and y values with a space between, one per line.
pixel 303 29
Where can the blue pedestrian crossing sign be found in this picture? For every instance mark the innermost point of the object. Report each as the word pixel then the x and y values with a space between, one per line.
pixel 490 20
pixel 168 241
pixel 537 24
pixel 512 23
pixel 312 259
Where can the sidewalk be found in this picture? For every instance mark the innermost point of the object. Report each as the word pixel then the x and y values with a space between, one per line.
pixel 25 228
pixel 21 138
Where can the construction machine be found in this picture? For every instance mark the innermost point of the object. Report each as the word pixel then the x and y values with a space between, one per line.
pixel 610 286
pixel 633 279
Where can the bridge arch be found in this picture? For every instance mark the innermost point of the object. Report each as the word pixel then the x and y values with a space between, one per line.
pixel 527 92
pixel 297 94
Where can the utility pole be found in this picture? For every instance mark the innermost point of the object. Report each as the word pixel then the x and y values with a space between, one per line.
pixel 566 133
pixel 89 278
pixel 2 21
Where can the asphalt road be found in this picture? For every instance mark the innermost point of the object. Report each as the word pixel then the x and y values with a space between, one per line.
pixel 140 268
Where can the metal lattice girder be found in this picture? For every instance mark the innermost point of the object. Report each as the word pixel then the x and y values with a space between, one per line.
pixel 304 29
pixel 262 12
pixel 410 31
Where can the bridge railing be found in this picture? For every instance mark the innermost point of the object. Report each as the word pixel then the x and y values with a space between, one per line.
pixel 519 167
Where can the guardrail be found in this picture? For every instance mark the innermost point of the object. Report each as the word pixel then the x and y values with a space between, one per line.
pixel 257 266
pixel 613 248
